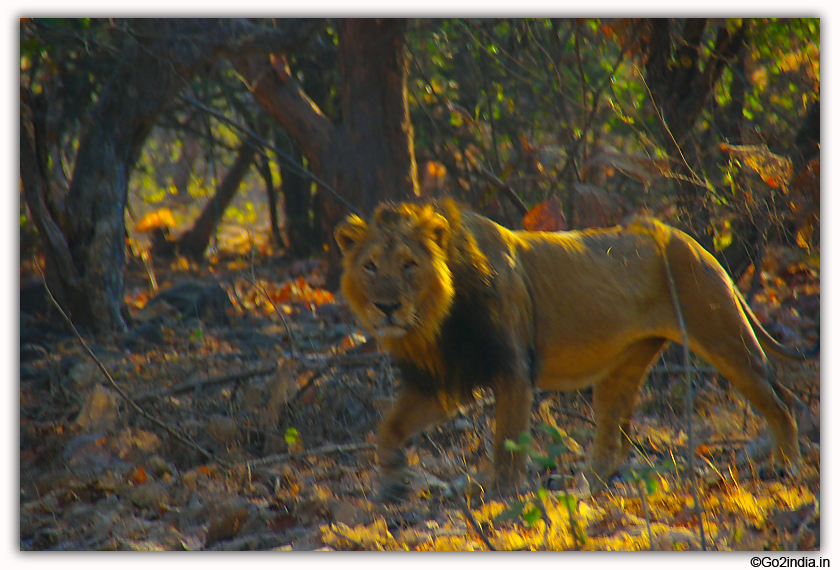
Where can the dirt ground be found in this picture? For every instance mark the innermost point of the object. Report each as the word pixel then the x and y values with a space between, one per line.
pixel 239 413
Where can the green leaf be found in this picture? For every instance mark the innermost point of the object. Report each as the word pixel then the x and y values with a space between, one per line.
pixel 544 462
pixel 532 515
pixel 292 436
pixel 568 501
pixel 556 449
pixel 513 511
pixel 553 432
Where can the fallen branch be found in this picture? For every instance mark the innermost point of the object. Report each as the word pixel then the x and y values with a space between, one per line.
pixel 213 381
pixel 473 523
pixel 324 450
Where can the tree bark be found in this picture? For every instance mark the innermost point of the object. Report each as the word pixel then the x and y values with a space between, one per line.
pixel 681 85
pixel 369 156
pixel 297 196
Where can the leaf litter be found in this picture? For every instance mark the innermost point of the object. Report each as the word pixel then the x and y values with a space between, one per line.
pixel 275 395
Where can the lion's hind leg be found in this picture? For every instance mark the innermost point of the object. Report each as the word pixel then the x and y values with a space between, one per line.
pixel 614 400
pixel 742 362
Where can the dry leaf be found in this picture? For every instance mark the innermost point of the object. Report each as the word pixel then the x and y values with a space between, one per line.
pixel 157 219
pixel 546 216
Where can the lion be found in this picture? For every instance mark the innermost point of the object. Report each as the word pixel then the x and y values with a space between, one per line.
pixel 462 303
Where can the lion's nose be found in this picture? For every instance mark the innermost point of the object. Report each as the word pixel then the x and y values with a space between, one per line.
pixel 387 308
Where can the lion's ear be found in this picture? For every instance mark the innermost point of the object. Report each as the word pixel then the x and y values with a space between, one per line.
pixel 350 233
pixel 437 228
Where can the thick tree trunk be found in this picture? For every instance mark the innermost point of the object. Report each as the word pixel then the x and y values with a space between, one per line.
pixel 375 121
pixel 297 196
pixel 681 85
pixel 369 156
pixel 89 247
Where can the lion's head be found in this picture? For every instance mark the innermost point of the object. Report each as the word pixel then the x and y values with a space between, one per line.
pixel 396 273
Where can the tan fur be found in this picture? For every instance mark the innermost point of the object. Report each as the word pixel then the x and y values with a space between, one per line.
pixel 565 311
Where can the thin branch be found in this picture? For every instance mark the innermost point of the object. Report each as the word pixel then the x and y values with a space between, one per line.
pixel 689 391
pixel 183 438
pixel 324 450
pixel 504 187
pixel 212 381
pixel 462 504
pixel 290 162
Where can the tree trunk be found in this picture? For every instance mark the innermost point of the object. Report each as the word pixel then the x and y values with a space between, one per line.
pixel 194 242
pixel 297 194
pixel 369 156
pixel 271 193
pixel 85 236
pixel 89 247
pixel 376 140
pixel 681 85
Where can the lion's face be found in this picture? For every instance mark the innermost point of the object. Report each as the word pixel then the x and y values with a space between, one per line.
pixel 396 277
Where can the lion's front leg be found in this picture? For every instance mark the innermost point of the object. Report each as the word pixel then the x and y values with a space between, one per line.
pixel 513 417
pixel 412 412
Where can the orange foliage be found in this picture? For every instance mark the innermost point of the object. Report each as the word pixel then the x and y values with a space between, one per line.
pixel 545 217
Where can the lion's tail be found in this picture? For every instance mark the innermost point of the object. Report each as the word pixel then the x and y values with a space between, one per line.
pixel 769 343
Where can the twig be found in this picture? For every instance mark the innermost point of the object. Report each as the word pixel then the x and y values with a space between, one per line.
pixel 183 438
pixel 213 381
pixel 642 489
pixel 653 232
pixel 504 187
pixel 324 450
pixel 689 390
pixel 670 369
pixel 462 504
pixel 574 414
pixel 258 541
pixel 294 344
pixel 341 360
pixel 353 541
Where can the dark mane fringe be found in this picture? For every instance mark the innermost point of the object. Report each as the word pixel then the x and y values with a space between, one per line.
pixel 474 344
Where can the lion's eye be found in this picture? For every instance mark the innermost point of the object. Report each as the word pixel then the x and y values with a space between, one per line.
pixel 409 265
pixel 370 267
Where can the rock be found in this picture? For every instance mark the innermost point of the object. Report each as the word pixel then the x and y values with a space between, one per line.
pixel 100 410
pixel 346 512
pixel 84 373
pixel 222 429
pixel 146 334
pixel 159 466
pixel 226 521
pixel 147 495
pixel 206 300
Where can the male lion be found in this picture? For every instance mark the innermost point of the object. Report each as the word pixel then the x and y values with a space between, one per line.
pixel 464 303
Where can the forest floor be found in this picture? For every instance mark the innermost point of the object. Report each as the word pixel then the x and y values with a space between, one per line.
pixel 239 413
